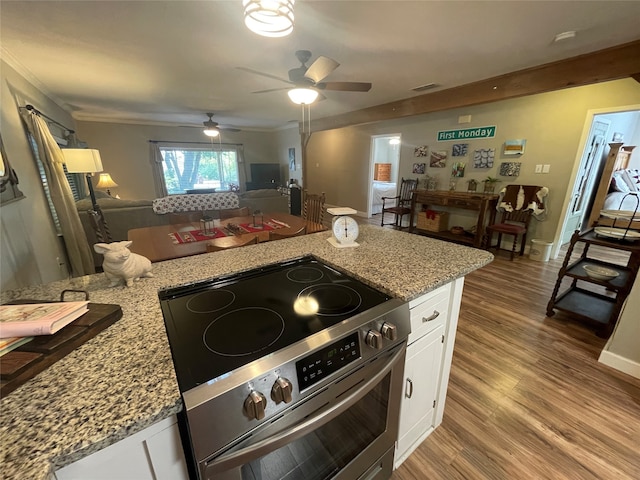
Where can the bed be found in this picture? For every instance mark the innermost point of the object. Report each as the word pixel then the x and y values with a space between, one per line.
pixel 382 189
pixel 619 187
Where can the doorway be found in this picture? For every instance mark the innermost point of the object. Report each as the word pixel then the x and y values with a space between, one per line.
pixel 588 166
pixel 384 166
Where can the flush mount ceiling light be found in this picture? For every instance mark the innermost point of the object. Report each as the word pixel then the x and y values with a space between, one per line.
pixel 303 96
pixel 269 18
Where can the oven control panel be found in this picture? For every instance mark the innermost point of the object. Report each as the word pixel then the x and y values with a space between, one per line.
pixel 328 360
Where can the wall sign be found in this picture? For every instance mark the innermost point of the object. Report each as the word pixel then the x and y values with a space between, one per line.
pixel 467 133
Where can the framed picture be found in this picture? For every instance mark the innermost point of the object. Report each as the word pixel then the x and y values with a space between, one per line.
pixel 514 147
pixel 510 169
pixel 438 159
pixel 419 168
pixel 9 190
pixel 292 159
pixel 459 149
pixel 483 158
pixel 421 151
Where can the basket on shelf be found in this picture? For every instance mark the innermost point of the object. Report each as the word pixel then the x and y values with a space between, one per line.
pixel 433 220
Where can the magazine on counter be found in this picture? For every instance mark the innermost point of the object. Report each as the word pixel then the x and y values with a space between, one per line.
pixel 38 318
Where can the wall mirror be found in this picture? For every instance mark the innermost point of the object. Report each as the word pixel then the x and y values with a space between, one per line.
pixel 9 190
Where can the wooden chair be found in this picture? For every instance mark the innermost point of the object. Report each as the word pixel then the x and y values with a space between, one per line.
pixel 514 223
pixel 234 212
pixel 225 243
pixel 313 212
pixel 402 205
pixel 276 235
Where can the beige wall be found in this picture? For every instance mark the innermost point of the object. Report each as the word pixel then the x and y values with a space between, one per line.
pixel 552 123
pixel 125 152
pixel 30 251
pixel 284 140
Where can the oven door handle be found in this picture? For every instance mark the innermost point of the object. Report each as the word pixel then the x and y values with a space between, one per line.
pixel 245 455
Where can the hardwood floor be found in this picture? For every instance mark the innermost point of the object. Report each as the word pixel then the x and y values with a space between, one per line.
pixel 527 397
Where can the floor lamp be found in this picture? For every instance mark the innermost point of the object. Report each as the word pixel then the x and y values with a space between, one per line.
pixel 87 161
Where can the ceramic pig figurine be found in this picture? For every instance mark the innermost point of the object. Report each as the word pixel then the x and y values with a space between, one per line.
pixel 119 262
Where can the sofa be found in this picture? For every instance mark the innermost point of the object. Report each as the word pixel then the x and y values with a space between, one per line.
pixel 265 200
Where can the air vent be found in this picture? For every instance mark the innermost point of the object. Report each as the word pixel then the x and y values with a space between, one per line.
pixel 426 86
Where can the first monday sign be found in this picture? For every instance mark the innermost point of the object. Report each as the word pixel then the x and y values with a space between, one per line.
pixel 467 133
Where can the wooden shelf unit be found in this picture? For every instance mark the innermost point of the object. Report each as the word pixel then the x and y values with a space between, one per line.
pixel 479 202
pixel 599 309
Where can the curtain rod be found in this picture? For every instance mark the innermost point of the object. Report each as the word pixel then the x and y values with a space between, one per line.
pixel 31 108
pixel 194 143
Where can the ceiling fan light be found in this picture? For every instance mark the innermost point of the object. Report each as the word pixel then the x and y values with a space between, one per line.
pixel 211 132
pixel 304 96
pixel 269 18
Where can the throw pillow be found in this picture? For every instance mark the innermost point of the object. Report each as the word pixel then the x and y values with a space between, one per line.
pixel 618 183
pixel 632 179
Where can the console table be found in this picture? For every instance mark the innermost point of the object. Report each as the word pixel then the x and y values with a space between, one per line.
pixel 479 202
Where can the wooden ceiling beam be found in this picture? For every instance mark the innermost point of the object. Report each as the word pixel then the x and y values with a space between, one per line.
pixel 604 65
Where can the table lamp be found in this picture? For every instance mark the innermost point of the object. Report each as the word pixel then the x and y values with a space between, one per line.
pixel 106 182
pixel 84 160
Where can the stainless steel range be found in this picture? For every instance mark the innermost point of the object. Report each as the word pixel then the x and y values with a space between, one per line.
pixel 291 371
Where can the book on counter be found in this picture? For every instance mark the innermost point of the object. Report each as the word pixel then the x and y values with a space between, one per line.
pixel 31 319
pixel 11 343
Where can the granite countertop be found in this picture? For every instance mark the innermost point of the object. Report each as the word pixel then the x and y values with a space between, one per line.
pixel 123 381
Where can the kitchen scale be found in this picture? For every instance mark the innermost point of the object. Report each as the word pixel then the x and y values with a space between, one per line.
pixel 344 228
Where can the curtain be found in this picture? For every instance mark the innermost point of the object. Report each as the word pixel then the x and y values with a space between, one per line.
pixel 75 240
pixel 158 175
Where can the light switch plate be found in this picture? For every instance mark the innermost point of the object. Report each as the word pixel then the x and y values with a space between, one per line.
pixel 539 168
pixel 546 168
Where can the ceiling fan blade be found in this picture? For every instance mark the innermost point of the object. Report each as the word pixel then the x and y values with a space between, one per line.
pixel 268 75
pixel 230 129
pixel 345 86
pixel 271 90
pixel 321 68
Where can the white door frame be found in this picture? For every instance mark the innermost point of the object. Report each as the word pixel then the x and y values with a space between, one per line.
pixel 372 151
pixel 576 167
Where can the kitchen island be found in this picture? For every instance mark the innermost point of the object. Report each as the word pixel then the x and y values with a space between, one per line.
pixel 123 381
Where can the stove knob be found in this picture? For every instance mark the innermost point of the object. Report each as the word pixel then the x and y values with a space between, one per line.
pixel 389 331
pixel 254 405
pixel 373 339
pixel 281 390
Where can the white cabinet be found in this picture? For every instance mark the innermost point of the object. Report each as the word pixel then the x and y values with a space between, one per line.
pixel 152 454
pixel 434 319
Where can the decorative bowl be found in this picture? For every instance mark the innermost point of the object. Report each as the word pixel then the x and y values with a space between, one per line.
pixel 600 273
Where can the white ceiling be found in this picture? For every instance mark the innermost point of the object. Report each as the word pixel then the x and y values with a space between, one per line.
pixel 172 61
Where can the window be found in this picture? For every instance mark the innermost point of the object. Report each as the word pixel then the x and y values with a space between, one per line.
pixel 194 167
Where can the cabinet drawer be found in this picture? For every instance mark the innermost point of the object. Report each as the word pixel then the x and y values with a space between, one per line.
pixel 428 200
pixel 429 312
pixel 468 204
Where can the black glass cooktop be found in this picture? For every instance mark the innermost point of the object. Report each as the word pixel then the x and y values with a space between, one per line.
pixel 216 326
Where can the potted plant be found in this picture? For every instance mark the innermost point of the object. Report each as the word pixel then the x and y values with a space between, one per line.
pixel 490 184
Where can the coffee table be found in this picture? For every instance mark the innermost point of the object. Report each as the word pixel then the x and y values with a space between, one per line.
pixel 156 244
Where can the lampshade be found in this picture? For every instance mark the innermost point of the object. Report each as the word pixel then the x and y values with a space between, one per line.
pixel 269 18
pixel 211 131
pixel 82 160
pixel 106 182
pixel 303 95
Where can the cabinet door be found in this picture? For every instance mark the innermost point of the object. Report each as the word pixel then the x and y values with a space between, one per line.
pixel 152 454
pixel 422 373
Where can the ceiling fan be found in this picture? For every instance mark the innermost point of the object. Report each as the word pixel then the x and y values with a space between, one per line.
pixel 213 129
pixel 313 75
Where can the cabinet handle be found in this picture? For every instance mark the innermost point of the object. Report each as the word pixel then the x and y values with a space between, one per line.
pixel 435 315
pixel 409 391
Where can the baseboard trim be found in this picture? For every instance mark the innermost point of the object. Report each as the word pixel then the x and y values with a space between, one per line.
pixel 620 363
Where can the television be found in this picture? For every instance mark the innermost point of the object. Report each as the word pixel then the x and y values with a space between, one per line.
pixel 265 173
